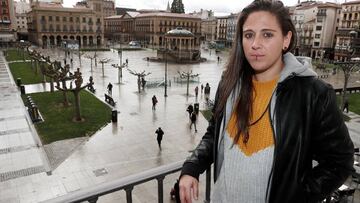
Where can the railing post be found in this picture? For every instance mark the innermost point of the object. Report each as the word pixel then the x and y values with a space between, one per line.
pixel 208 185
pixel 160 189
pixel 129 194
pixel 93 200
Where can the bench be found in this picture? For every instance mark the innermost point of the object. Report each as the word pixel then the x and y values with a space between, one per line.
pixel 33 110
pixel 109 100
pixel 91 89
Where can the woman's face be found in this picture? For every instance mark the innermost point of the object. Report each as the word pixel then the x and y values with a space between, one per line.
pixel 263 42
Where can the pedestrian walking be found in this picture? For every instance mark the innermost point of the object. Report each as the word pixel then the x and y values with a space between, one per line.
pixel 143 82
pixel 193 118
pixel 109 88
pixel 154 102
pixel 190 109
pixel 159 136
pixel 202 88
pixel 127 61
pixel 218 58
pixel 207 92
pixel 196 91
pixel 272 119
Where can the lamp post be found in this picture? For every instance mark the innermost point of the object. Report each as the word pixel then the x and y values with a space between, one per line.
pixel 120 56
pixel 165 83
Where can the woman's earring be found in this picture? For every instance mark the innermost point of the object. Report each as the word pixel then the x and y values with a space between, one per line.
pixel 284 48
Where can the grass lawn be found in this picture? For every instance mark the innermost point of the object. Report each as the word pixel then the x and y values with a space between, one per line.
pixel 24 71
pixel 207 114
pixel 354 102
pixel 58 124
pixel 14 55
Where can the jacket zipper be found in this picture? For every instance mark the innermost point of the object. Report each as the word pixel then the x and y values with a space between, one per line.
pixel 274 137
pixel 293 74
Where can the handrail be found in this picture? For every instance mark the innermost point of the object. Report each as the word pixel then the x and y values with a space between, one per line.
pixel 91 194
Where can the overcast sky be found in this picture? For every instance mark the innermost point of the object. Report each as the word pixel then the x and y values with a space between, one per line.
pixel 218 6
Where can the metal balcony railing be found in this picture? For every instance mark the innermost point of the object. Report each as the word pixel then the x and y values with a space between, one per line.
pixel 128 183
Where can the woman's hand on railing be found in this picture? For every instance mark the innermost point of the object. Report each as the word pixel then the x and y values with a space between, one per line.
pixel 189 189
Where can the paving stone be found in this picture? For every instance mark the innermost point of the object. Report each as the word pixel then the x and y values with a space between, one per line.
pixel 21 130
pixel 16 149
pixel 21 173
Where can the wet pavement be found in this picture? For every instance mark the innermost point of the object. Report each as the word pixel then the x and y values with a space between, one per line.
pixel 119 149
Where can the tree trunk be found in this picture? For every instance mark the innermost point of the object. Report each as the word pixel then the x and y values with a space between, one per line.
pixel 347 77
pixel 139 83
pixel 119 74
pixel 51 85
pixel 187 85
pixel 36 67
pixel 77 105
pixel 66 101
pixel 91 65
pixel 102 66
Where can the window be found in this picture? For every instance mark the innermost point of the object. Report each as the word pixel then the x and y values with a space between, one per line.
pixel 318 27
pixel 77 19
pixel 64 19
pixel 50 18
pixel 317 36
pixel 71 19
pixel 84 20
pixel 316 44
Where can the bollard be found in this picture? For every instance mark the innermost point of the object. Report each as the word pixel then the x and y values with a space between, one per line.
pixel 114 116
pixel 18 82
pixel 22 89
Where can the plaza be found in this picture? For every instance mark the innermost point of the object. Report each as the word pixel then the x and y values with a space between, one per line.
pixel 118 149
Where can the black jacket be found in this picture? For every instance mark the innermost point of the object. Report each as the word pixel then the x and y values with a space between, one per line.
pixel 309 126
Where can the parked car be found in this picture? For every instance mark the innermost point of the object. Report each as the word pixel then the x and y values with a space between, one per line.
pixel 134 44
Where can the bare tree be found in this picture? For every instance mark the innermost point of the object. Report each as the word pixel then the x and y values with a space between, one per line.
pixel 78 80
pixel 139 76
pixel 119 67
pixel 347 67
pixel 91 57
pixel 103 61
pixel 187 75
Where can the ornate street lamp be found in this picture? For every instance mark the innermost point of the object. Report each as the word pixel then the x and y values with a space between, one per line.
pixel 165 83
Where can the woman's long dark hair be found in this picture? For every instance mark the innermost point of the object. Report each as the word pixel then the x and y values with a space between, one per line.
pixel 239 69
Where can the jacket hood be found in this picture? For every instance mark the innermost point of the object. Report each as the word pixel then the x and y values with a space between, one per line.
pixel 295 66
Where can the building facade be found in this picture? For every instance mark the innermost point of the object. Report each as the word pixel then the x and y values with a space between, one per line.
pixel 347 35
pixel 109 8
pixel 221 30
pixel 120 28
pixel 21 8
pixel 231 28
pixel 208 29
pixel 150 28
pixel 304 19
pixel 49 24
pixel 327 19
pixel 7 22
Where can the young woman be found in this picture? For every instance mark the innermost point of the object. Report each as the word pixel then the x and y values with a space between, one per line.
pixel 272 117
